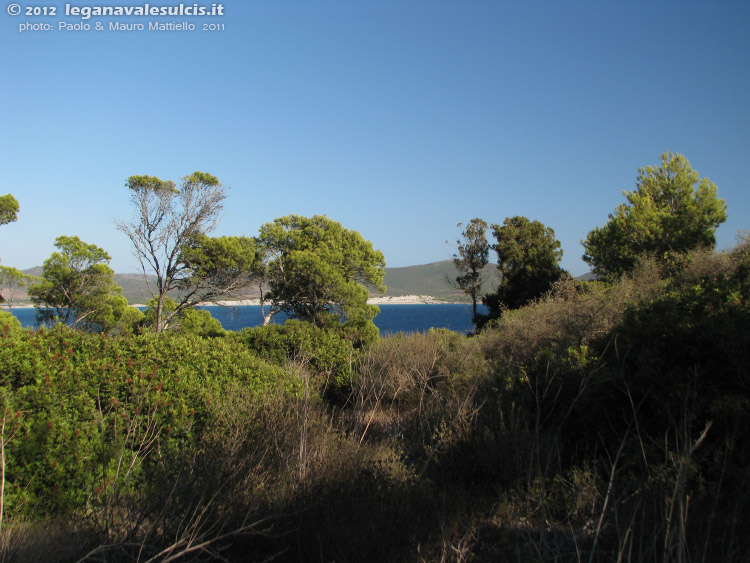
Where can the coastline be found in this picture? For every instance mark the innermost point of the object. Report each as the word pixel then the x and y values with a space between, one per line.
pixel 378 300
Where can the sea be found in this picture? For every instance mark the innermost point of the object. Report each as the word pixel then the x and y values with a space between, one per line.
pixel 391 320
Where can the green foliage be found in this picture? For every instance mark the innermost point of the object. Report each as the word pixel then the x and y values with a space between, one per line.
pixel 8 209
pixel 600 422
pixel 326 352
pixel 116 316
pixel 151 184
pixel 90 411
pixel 12 279
pixel 149 315
pixel 77 288
pixel 219 265
pixel 688 346
pixel 672 210
pixel 319 271
pixel 528 257
pixel 200 323
pixel 8 322
pixel 361 332
pixel 169 237
pixel 197 322
pixel 472 257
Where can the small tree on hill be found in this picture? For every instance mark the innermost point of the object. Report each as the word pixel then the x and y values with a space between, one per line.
pixel 12 280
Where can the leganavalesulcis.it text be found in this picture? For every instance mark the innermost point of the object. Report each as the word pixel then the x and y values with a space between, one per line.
pixel 86 12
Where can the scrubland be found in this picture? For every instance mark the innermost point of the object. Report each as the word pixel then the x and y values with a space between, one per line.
pixel 601 423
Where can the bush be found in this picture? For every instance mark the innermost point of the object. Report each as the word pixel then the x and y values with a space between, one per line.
pixel 199 322
pixel 685 353
pixel 87 411
pixel 8 323
pixel 327 354
pixel 423 391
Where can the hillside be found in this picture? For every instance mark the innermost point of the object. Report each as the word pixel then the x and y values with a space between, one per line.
pixel 429 279
pixel 424 279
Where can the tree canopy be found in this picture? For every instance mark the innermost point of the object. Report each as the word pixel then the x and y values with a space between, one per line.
pixel 8 209
pixel 473 255
pixel 671 210
pixel 319 271
pixel 169 236
pixel 216 266
pixel 77 288
pixel 11 280
pixel 528 257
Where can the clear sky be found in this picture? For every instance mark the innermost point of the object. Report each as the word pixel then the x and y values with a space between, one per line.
pixel 398 118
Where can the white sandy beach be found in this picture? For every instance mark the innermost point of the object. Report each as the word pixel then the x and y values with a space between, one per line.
pixel 380 300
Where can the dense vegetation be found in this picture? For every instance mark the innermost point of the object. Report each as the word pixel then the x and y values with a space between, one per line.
pixel 599 421
pixel 671 211
pixel 603 422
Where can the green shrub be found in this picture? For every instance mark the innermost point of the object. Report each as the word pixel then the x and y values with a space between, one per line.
pixel 687 348
pixel 326 353
pixel 200 323
pixel 8 323
pixel 86 411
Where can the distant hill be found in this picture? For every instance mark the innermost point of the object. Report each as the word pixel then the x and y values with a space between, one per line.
pixel 134 287
pixel 430 279
pixel 590 276
pixel 425 279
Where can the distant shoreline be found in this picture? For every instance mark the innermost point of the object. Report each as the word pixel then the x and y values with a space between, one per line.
pixel 379 300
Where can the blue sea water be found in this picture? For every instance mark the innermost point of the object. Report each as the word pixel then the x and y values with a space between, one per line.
pixel 392 318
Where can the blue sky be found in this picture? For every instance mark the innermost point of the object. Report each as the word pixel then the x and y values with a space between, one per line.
pixel 397 118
